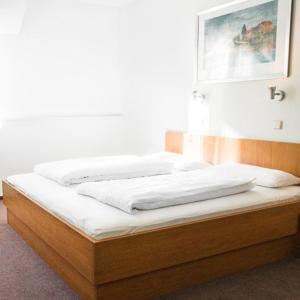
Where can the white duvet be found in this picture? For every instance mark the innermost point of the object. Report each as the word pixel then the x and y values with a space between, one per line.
pixel 165 190
pixel 68 172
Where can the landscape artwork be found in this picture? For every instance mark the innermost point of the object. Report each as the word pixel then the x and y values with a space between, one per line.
pixel 241 38
pixel 238 42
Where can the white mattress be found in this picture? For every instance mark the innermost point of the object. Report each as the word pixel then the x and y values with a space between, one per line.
pixel 101 221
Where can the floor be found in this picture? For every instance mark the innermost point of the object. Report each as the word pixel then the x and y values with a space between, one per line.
pixel 25 276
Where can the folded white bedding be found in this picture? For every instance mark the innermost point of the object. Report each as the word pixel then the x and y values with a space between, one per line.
pixel 166 190
pixel 77 171
pixel 181 162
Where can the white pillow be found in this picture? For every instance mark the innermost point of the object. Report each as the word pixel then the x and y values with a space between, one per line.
pixel 164 155
pixel 190 165
pixel 264 177
pixel 181 163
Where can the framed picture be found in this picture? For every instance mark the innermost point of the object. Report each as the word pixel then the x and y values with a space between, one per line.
pixel 244 40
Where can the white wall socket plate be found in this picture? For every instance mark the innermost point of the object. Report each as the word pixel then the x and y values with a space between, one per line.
pixel 278 124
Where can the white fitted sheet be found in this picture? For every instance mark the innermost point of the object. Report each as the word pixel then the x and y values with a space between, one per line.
pixel 101 221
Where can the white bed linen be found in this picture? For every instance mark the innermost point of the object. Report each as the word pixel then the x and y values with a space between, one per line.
pixel 264 176
pixel 67 172
pixel 100 220
pixel 146 193
pixel 181 162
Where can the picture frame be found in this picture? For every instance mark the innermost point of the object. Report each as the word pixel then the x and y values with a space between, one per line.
pixel 244 40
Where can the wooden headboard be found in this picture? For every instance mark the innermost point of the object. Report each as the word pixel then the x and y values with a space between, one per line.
pixel 276 155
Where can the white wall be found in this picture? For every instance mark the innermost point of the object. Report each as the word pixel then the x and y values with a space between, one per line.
pixel 158 66
pixel 64 60
pixel 137 63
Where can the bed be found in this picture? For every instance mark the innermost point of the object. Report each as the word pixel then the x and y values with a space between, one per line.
pixel 142 261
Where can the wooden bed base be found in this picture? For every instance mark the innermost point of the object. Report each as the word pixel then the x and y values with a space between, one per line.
pixel 155 262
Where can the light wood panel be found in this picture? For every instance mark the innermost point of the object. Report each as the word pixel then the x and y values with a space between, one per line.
pixel 73 246
pixel 150 284
pixel 174 142
pixel 140 253
pixel 79 283
pixel 186 275
pixel 276 155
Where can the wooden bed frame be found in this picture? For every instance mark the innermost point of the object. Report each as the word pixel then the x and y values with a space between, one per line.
pixel 155 262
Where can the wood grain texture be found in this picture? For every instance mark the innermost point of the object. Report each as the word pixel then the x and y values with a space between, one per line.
pixel 148 285
pixel 276 155
pixel 186 275
pixel 79 283
pixel 149 251
pixel 73 246
pixel 174 142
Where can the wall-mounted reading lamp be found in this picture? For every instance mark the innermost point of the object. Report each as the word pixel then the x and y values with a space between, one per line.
pixel 276 94
pixel 198 96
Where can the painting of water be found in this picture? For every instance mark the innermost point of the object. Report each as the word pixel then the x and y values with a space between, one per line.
pixel 239 42
pixel 247 36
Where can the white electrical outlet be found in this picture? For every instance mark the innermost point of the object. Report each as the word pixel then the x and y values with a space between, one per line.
pixel 278 125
